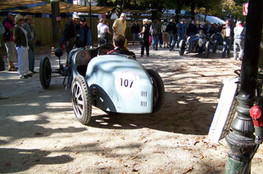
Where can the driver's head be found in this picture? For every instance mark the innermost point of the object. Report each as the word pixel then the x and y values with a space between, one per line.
pixel 118 40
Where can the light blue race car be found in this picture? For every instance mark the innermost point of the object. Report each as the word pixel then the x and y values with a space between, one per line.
pixel 113 83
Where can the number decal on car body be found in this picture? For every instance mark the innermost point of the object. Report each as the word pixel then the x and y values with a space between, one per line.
pixel 126 83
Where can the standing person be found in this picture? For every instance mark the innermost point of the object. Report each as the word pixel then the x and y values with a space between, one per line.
pixel 83 38
pixel 165 36
pixel 191 29
pixel 119 26
pixel 226 35
pixel 119 48
pixel 239 36
pixel 70 33
pixel 20 38
pixel 103 31
pixel 181 31
pixel 2 63
pixel 100 41
pixel 171 30
pixel 135 29
pixel 155 32
pixel 145 37
pixel 9 41
pixel 204 27
pixel 31 37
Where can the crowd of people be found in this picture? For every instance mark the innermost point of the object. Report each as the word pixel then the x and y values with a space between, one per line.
pixel 20 37
pixel 169 34
pixel 164 34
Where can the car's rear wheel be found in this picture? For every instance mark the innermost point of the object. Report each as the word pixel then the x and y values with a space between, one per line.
pixel 81 100
pixel 45 72
pixel 158 90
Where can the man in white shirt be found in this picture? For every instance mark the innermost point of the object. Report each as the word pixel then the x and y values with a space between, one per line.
pixel 239 37
pixel 103 31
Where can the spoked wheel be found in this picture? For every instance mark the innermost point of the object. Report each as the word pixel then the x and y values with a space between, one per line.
pixel 158 90
pixel 182 47
pixel 81 100
pixel 45 72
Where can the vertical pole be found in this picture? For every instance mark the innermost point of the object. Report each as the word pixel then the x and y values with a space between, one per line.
pixel 90 23
pixel 55 24
pixel 90 13
pixel 241 140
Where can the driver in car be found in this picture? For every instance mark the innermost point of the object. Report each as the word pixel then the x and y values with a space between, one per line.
pixel 119 48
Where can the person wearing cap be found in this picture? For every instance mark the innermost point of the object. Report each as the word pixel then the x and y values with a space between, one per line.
pixel 70 33
pixel 83 34
pixel 9 41
pixel 239 38
pixel 119 25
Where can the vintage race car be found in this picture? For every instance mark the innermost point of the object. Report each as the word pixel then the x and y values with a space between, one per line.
pixel 113 83
pixel 198 43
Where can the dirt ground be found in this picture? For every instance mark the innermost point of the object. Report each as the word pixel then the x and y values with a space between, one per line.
pixel 39 133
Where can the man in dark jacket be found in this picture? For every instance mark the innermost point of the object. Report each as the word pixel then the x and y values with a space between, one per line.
pixel 83 34
pixel 191 29
pixel 171 30
pixel 70 33
pixel 135 29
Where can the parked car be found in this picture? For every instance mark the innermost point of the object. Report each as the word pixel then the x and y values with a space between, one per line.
pixel 199 43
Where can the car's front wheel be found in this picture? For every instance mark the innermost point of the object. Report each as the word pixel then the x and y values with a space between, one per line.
pixel 182 47
pixel 45 72
pixel 81 100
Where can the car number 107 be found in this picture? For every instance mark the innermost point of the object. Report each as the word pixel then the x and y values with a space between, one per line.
pixel 126 83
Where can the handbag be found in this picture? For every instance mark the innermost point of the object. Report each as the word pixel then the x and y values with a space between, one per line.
pixel 140 36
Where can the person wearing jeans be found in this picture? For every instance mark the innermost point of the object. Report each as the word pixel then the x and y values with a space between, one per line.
pixel 226 35
pixel 239 38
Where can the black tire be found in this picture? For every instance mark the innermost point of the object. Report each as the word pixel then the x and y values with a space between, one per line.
pixel 215 45
pixel 181 47
pixel 45 72
pixel 81 100
pixel 207 49
pixel 158 90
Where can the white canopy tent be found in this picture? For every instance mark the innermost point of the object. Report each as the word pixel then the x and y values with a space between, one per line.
pixel 209 19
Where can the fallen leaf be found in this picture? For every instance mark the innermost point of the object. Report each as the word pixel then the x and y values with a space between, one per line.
pixel 189 170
